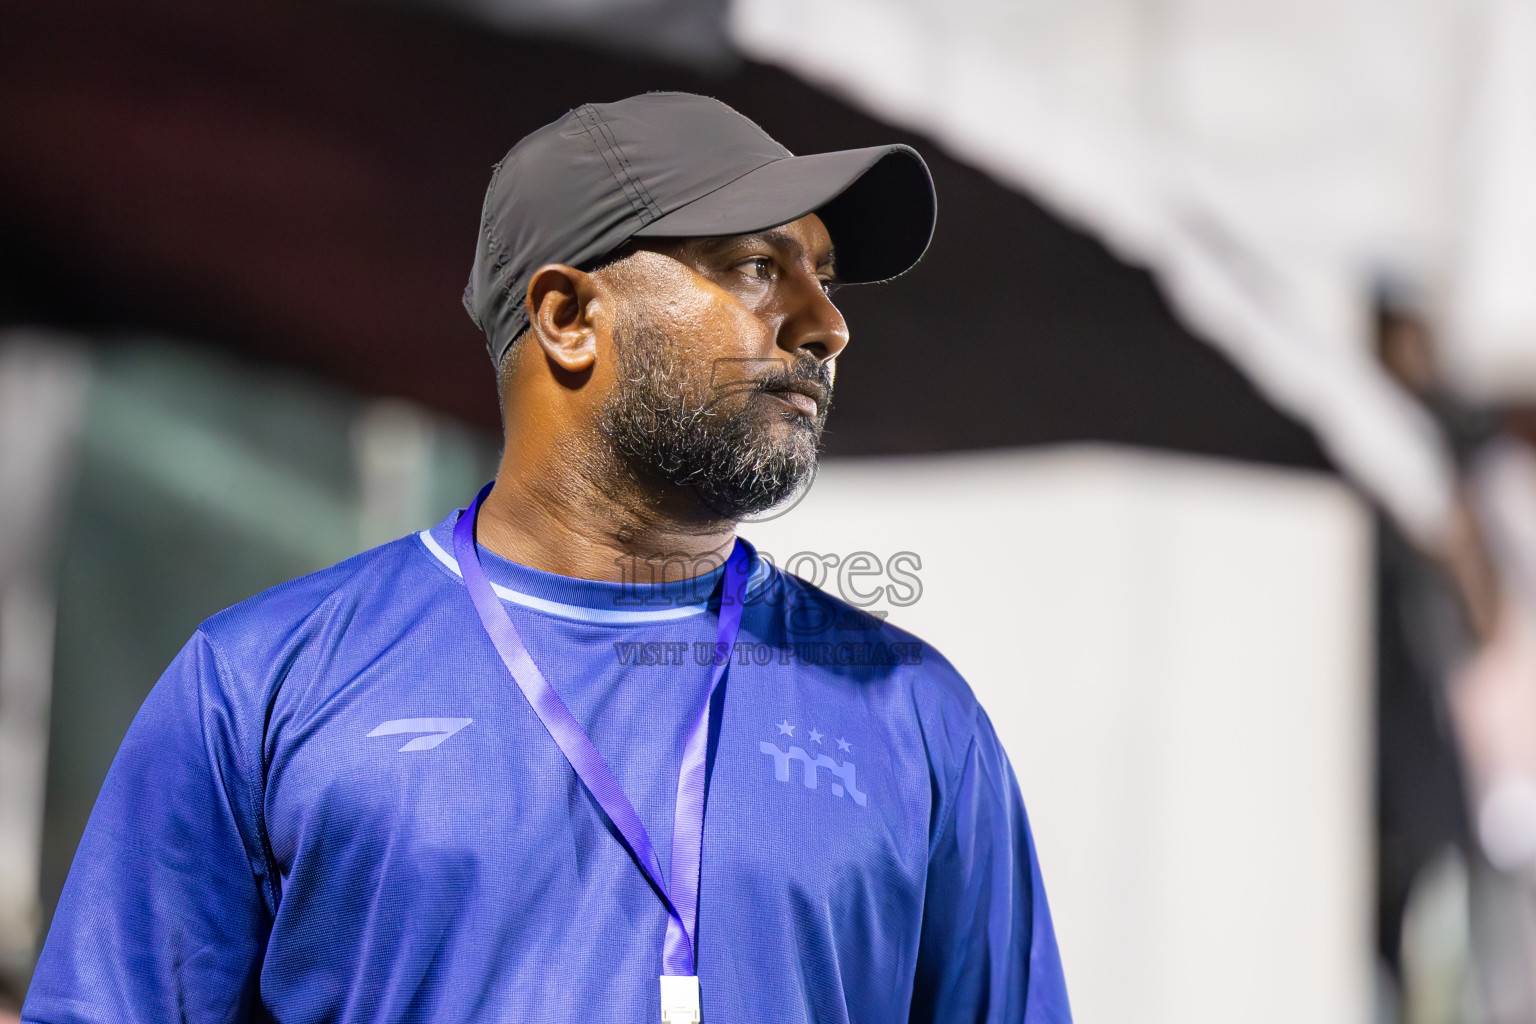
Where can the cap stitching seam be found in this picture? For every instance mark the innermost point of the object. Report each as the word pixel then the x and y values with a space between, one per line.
pixel 500 260
pixel 496 255
pixel 634 190
pixel 651 206
pixel 587 115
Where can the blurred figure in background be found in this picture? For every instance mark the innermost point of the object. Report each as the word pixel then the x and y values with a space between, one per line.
pixel 1493 704
pixel 1457 717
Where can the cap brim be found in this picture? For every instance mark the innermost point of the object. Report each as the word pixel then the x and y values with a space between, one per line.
pixel 878 205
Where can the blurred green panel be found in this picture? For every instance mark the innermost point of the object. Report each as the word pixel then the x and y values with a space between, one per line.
pixel 201 482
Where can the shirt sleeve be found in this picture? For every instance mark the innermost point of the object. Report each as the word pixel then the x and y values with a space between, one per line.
pixel 988 950
pixel 164 914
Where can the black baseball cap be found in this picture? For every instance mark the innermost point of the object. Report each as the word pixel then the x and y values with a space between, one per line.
pixel 676 165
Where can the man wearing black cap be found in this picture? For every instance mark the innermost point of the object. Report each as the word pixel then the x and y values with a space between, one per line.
pixel 577 753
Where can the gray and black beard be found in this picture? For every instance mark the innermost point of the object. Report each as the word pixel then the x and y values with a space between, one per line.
pixel 663 423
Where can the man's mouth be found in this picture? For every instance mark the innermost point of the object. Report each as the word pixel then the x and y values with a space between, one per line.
pixel 804 397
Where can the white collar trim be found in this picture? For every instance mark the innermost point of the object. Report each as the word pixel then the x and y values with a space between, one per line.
pixel 575 612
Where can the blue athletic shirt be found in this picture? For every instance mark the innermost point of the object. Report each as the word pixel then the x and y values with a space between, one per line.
pixel 337 806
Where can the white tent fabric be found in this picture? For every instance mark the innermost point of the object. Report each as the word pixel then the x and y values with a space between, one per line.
pixel 1491 319
pixel 1273 162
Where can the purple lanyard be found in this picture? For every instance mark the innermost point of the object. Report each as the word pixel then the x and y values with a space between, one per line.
pixel 680 893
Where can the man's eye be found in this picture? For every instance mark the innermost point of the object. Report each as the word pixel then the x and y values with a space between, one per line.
pixel 760 267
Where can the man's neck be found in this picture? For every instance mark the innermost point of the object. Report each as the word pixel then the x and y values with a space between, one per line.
pixel 596 525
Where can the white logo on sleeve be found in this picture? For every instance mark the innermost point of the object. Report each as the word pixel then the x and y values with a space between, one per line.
pixel 437 730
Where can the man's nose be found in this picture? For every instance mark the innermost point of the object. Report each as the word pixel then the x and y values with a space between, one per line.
pixel 814 325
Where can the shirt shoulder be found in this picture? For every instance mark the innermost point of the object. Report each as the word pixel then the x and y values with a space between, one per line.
pixel 370 594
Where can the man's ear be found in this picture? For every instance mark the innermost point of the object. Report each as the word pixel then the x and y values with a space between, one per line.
pixel 558 297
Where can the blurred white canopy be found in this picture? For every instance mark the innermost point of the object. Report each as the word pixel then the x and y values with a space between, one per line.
pixel 1276 163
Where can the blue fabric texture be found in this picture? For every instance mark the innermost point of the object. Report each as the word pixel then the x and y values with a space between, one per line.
pixel 336 806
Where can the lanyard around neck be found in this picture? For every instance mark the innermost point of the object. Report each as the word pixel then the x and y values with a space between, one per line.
pixel 680 891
